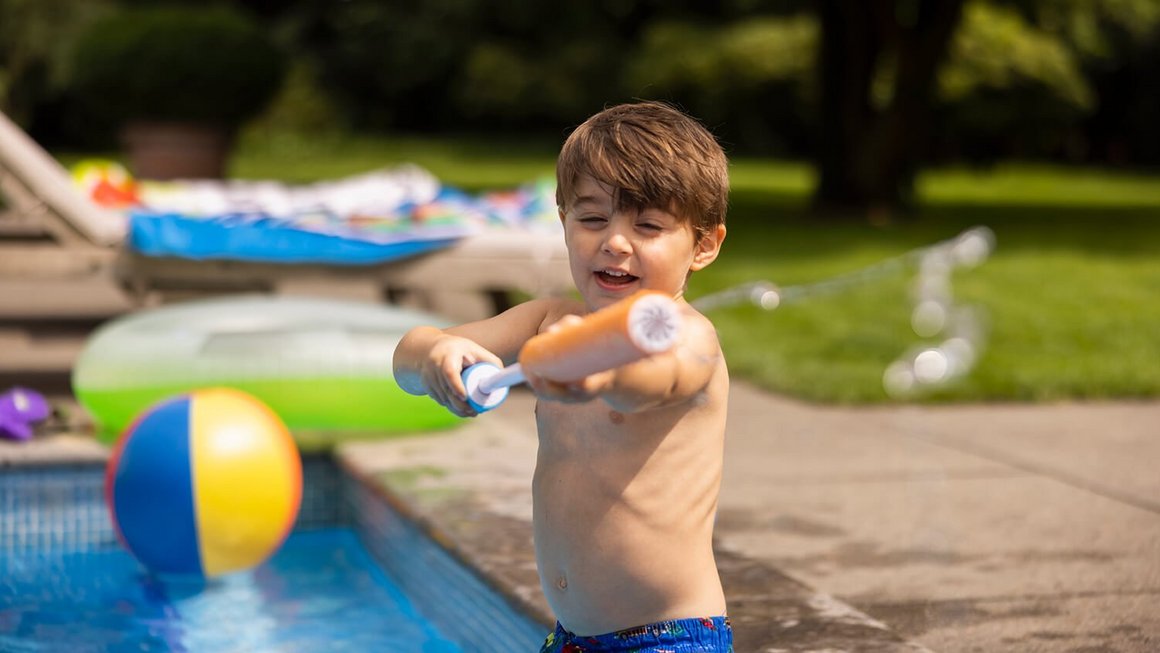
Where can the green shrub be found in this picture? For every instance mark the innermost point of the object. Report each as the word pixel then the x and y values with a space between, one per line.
pixel 176 63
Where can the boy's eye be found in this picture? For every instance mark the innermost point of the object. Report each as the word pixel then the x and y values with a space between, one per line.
pixel 649 226
pixel 592 220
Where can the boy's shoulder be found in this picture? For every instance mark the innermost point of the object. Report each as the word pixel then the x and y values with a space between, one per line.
pixel 550 310
pixel 699 330
pixel 525 319
pixel 558 307
pixel 700 352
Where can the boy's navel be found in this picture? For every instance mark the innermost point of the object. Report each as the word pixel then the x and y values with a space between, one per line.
pixel 616 417
pixel 562 583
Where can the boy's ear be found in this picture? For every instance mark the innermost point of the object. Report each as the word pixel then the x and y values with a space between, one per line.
pixel 707 248
pixel 560 210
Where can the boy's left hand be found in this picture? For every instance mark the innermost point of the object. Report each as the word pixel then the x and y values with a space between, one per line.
pixel 571 392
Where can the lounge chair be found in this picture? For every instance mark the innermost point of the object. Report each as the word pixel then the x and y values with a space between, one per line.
pixel 50 232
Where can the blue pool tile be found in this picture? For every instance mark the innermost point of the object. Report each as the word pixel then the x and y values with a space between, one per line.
pixel 354 576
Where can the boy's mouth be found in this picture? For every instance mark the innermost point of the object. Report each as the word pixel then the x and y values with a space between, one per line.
pixel 614 279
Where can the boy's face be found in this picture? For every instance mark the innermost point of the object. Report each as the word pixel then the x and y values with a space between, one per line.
pixel 614 253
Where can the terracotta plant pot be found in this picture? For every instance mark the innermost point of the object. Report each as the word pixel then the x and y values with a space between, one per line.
pixel 176 150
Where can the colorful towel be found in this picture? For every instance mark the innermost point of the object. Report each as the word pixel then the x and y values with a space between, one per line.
pixel 364 219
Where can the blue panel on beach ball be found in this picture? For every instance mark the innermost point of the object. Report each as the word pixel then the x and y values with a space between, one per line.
pixel 151 490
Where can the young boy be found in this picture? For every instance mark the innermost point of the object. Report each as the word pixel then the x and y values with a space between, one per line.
pixel 629 462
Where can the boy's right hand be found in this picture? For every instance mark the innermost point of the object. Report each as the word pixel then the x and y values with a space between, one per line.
pixel 441 371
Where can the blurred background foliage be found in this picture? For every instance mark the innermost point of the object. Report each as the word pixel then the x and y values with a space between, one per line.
pixel 179 63
pixel 1068 80
pixel 1040 118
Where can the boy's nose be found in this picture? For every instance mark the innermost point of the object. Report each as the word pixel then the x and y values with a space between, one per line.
pixel 617 244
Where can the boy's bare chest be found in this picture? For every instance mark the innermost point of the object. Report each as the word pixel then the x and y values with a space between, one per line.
pixel 591 429
pixel 597 464
pixel 592 446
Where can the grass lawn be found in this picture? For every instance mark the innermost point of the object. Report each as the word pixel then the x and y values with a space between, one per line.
pixel 1071 294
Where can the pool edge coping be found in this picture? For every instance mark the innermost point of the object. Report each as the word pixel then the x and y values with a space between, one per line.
pixel 443 538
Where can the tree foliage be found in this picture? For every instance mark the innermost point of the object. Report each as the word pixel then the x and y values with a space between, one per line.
pixel 176 63
pixel 1071 79
pixel 751 80
pixel 35 38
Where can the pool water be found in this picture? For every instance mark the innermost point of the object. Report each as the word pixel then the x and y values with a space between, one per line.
pixel 321 592
pixel 354 575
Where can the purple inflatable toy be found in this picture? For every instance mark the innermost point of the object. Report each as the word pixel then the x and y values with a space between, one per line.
pixel 19 409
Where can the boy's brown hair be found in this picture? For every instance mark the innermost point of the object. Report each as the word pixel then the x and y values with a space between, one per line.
pixel 654 156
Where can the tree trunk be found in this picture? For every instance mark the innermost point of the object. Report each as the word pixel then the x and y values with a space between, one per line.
pixel 869 151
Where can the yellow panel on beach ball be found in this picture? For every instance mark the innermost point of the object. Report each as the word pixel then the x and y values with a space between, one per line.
pixel 247 479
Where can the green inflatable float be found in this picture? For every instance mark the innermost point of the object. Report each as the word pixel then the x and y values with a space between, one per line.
pixel 323 365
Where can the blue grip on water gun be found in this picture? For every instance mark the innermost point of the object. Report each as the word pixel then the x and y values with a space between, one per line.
pixel 473 377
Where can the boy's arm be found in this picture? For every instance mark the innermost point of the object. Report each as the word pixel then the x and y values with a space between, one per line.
pixel 659 380
pixel 410 355
pixel 428 360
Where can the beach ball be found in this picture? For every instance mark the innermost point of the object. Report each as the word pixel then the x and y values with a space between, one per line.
pixel 204 483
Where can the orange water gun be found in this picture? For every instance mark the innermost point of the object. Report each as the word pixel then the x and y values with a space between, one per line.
pixel 646 323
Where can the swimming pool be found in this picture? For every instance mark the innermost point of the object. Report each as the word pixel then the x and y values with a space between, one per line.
pixel 353 576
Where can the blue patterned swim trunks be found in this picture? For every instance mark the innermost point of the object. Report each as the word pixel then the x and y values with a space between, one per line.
pixel 713 635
